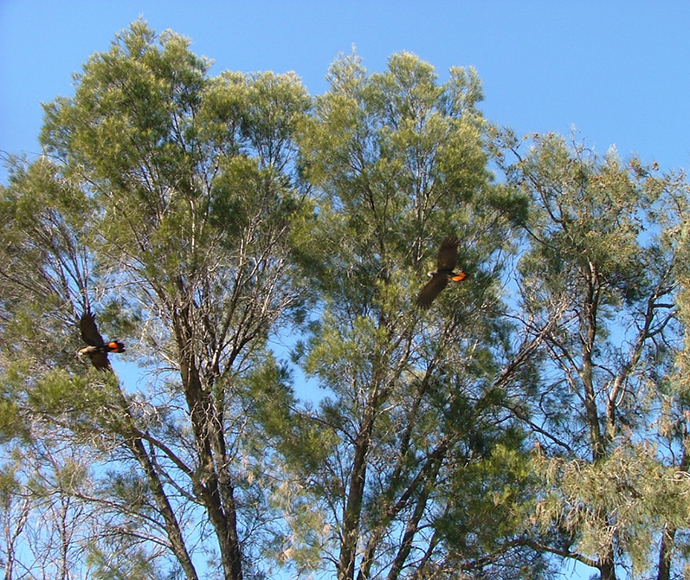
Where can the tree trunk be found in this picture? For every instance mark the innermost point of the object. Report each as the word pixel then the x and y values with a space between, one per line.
pixel 172 526
pixel 665 553
pixel 669 532
pixel 606 566
pixel 217 490
pixel 587 372
pixel 608 571
pixel 353 507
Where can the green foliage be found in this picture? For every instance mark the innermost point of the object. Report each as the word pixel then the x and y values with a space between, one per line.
pixel 492 498
pixel 108 563
pixel 625 499
pixel 591 215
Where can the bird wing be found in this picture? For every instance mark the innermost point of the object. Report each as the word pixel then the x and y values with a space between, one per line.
pixel 100 361
pixel 448 254
pixel 432 289
pixel 89 330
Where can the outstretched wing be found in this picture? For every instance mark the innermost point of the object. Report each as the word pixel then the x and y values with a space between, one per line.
pixel 432 289
pixel 89 331
pixel 448 254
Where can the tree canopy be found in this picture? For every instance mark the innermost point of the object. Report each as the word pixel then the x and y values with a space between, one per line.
pixel 243 237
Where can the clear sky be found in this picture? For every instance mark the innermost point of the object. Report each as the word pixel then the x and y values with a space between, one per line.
pixel 616 71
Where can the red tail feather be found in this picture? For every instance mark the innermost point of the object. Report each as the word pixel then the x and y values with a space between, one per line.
pixel 116 346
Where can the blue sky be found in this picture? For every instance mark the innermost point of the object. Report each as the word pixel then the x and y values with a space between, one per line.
pixel 615 71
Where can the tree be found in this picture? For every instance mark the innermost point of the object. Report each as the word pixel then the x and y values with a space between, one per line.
pixel 182 192
pixel 409 430
pixel 598 284
pixel 673 423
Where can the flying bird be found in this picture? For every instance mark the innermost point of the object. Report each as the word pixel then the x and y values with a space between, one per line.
pixel 444 273
pixel 98 349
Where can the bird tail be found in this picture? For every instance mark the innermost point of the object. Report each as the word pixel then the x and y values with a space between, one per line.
pixel 115 346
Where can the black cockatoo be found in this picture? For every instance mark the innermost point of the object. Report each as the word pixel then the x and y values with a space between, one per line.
pixel 447 258
pixel 98 349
